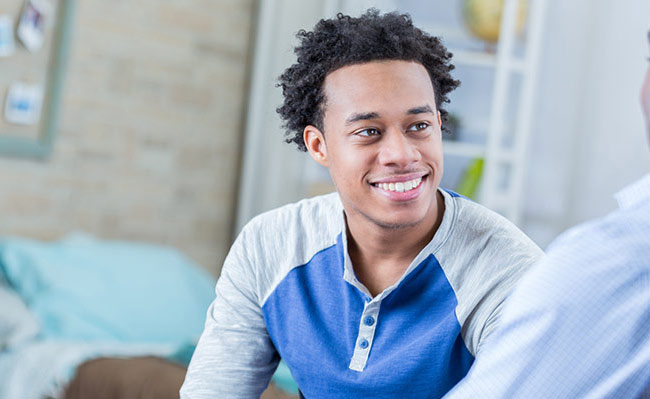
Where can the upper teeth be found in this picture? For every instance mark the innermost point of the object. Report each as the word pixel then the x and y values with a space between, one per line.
pixel 401 186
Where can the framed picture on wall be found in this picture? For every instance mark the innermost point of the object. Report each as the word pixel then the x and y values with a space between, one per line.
pixel 33 23
pixel 23 104
pixel 31 75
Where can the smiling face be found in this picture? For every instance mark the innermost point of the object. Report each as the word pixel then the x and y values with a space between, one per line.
pixel 381 142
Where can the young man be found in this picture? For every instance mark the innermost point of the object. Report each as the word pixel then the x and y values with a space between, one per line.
pixel 578 326
pixel 388 287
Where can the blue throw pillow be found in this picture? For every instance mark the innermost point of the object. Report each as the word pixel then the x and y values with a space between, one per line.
pixel 88 289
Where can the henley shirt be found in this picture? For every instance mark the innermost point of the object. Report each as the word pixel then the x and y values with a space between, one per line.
pixel 288 290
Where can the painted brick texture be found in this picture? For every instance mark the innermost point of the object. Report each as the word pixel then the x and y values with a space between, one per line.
pixel 150 129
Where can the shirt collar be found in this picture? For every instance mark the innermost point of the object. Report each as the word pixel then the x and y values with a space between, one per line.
pixel 439 238
pixel 635 193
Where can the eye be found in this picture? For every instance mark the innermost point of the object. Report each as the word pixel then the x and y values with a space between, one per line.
pixel 368 132
pixel 416 127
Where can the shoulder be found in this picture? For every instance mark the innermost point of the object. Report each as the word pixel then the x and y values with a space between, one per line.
pixel 483 257
pixel 628 228
pixel 313 212
pixel 275 242
pixel 481 233
pixel 581 314
pixel 477 220
pixel 588 258
pixel 487 252
pixel 307 224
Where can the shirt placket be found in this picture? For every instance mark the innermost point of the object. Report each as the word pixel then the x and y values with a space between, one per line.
pixel 366 335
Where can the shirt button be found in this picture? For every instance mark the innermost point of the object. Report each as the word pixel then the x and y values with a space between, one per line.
pixel 369 321
pixel 363 344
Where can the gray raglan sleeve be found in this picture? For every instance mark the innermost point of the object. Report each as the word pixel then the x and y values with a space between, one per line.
pixel 484 259
pixel 235 357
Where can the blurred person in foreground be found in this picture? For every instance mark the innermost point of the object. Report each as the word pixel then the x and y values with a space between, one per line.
pixel 578 325
pixel 388 287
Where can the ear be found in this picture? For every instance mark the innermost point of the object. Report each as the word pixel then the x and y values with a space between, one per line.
pixel 315 142
pixel 439 120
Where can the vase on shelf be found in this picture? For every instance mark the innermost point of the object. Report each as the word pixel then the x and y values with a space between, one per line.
pixel 483 19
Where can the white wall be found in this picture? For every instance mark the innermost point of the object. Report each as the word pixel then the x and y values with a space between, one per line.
pixel 272 171
pixel 589 140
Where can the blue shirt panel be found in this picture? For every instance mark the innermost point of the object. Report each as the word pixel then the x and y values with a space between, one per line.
pixel 454 194
pixel 313 320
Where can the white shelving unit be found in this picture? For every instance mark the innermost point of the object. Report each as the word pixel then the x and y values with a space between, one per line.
pixel 505 165
pixel 512 68
pixel 468 150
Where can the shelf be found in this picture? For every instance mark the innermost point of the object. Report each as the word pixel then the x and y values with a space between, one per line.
pixel 472 150
pixel 461 149
pixel 483 59
pixel 449 34
pixel 506 156
pixel 471 57
pixel 502 204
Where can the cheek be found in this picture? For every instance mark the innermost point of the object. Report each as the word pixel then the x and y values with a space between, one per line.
pixel 434 157
pixel 645 95
pixel 346 167
pixel 433 153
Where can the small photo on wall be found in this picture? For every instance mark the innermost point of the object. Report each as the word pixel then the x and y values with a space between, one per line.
pixel 6 36
pixel 24 103
pixel 31 28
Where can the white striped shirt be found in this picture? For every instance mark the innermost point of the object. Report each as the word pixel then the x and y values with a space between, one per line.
pixel 578 324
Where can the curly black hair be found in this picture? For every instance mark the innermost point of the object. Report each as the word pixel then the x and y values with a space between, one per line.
pixel 344 40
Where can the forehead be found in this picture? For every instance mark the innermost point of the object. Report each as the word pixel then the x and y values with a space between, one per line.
pixel 378 86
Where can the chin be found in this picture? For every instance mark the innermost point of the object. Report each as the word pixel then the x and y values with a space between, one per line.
pixel 397 223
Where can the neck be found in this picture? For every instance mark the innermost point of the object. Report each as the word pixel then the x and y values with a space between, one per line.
pixel 381 254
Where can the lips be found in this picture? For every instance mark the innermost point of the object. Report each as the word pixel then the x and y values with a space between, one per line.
pixel 402 186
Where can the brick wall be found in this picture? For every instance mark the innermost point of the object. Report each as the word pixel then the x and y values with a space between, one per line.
pixel 149 132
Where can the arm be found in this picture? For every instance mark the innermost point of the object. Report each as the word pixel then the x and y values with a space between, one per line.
pixel 235 357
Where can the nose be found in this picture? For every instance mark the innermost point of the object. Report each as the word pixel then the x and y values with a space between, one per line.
pixel 397 150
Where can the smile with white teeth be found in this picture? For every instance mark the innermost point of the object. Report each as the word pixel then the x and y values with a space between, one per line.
pixel 401 186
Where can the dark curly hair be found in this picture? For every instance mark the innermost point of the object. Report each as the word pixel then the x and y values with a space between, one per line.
pixel 344 40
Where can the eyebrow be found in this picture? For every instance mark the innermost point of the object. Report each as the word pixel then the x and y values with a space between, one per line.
pixel 420 110
pixel 361 117
pixel 364 116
